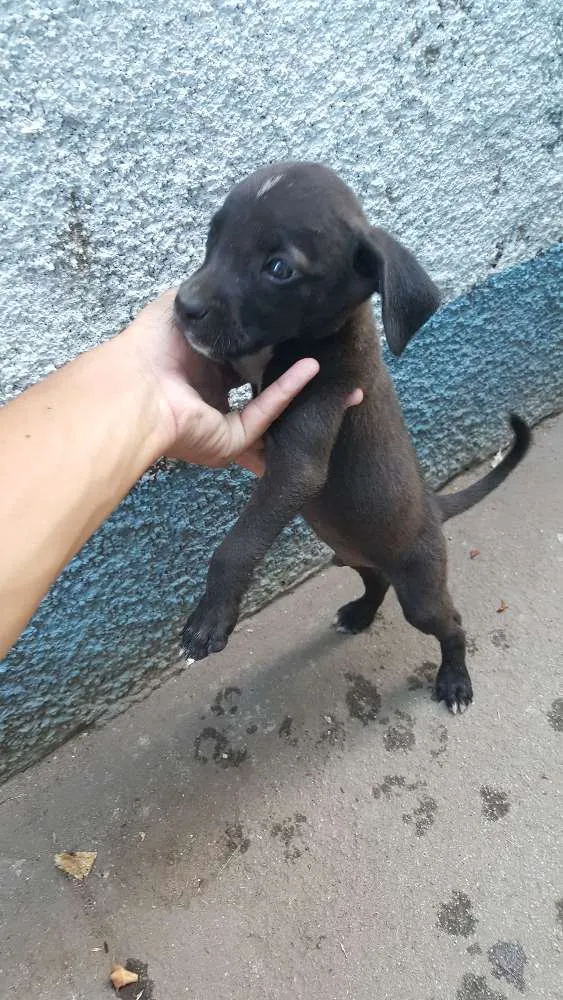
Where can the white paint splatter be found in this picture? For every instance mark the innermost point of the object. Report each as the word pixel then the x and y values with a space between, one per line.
pixel 35 127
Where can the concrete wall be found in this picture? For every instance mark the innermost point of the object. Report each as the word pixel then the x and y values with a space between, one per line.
pixel 126 123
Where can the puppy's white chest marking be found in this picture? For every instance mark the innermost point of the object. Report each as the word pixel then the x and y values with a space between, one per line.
pixel 252 366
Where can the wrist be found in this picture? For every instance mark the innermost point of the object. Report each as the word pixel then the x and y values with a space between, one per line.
pixel 151 419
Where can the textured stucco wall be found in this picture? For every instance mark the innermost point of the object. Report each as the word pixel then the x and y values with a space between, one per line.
pixel 125 124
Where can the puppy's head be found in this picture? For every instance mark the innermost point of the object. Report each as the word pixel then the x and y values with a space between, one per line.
pixel 290 254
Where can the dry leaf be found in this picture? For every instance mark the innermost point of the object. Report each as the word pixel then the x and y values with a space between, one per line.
pixel 77 864
pixel 122 977
pixel 474 553
pixel 503 606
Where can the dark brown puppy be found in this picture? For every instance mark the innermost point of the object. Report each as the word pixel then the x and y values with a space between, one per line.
pixel 290 267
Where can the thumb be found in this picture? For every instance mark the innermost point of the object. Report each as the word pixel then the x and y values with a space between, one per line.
pixel 250 424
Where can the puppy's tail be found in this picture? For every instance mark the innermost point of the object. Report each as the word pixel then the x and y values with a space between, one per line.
pixel 456 503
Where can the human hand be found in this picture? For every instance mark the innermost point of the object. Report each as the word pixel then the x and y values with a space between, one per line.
pixel 193 394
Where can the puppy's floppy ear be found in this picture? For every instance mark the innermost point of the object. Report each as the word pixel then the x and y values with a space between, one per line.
pixel 408 295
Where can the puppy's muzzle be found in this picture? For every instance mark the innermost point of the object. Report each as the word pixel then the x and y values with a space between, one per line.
pixel 189 305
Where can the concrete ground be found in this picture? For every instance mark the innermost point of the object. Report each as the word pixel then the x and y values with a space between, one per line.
pixel 297 818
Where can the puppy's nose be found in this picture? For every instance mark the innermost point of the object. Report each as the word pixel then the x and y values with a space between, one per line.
pixel 189 305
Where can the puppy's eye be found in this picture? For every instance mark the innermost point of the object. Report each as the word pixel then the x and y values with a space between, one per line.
pixel 278 269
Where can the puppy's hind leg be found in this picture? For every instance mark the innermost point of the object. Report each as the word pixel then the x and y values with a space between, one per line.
pixel 426 603
pixel 358 615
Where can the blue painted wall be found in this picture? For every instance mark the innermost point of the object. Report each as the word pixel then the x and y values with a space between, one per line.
pixel 109 627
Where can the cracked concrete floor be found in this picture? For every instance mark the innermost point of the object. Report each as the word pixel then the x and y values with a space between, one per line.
pixel 297 818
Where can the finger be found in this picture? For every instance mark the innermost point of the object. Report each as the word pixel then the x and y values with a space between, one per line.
pixel 262 411
pixel 253 460
pixel 355 398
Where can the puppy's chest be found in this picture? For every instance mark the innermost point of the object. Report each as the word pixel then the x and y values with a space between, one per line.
pixel 251 367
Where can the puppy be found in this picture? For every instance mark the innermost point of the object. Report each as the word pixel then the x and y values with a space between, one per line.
pixel 290 268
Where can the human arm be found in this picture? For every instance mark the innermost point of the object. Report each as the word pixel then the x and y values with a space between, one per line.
pixel 73 445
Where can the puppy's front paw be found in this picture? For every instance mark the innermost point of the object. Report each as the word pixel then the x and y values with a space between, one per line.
pixel 453 685
pixel 354 617
pixel 207 630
